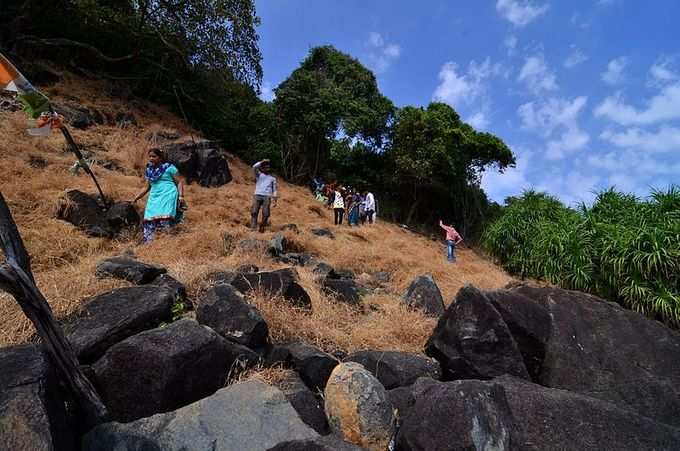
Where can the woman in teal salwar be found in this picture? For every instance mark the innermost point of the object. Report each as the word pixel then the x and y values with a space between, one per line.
pixel 166 192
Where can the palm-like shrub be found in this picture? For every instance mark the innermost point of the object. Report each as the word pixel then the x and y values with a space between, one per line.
pixel 621 248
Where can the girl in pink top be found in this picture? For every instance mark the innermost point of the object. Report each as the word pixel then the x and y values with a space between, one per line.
pixel 452 238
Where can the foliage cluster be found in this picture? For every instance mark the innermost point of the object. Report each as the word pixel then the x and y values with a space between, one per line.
pixel 621 248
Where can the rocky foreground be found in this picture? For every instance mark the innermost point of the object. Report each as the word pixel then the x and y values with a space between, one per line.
pixel 525 368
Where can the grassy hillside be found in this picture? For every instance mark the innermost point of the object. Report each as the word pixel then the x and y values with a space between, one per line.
pixel 64 258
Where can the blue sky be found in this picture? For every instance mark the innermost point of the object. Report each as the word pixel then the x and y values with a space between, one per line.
pixel 585 92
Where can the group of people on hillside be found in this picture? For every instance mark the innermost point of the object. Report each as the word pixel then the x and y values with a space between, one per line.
pixel 165 206
pixel 359 206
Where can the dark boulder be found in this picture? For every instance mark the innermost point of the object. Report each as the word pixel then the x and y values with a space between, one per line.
pixel 509 413
pixel 343 290
pixel 184 158
pixel 323 270
pixel 277 245
pixel 166 368
pixel 177 287
pixel 295 258
pixel 111 317
pixel 327 443
pixel 247 268
pixel 312 364
pixel 323 232
pixel 402 400
pixel 83 211
pixel 248 416
pixel 125 119
pixel 423 294
pixel 529 324
pixel 471 340
pixel 396 369
pixel 32 407
pixel 605 351
pixel 223 309
pixel 129 269
pixel 213 169
pixel 122 215
pixel 78 116
pixel 282 282
pixel 304 402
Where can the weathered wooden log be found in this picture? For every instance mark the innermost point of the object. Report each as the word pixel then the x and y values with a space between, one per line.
pixel 16 278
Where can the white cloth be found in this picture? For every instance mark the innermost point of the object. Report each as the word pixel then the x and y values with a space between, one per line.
pixel 338 202
pixel 370 202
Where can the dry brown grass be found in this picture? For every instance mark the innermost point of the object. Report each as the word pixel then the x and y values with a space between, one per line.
pixel 64 258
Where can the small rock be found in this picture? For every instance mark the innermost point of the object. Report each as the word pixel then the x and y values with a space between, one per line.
pixel 312 364
pixel 292 227
pixel 396 369
pixel 323 270
pixel 122 215
pixel 166 368
pixel 282 282
pixel 125 268
pixel 83 211
pixel 423 294
pixel 111 317
pixel 358 409
pixel 471 340
pixel 248 416
pixel 223 309
pixel 342 290
pixel 277 245
pixel 294 258
pixel 323 232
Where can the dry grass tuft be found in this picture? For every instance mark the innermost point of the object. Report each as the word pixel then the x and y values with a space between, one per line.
pixel 64 258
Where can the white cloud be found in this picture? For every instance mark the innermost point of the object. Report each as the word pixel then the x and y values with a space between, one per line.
pixel 478 120
pixel 537 76
pixel 381 54
pixel 571 187
pixel 510 44
pixel 512 181
pixel 664 106
pixel 520 12
pixel 546 116
pixel 665 139
pixel 266 92
pixel 571 140
pixel 614 74
pixel 456 87
pixel 576 57
pixel 663 72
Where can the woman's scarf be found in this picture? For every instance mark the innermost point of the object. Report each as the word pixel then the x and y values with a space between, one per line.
pixel 153 173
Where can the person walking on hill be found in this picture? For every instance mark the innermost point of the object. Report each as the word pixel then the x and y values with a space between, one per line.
pixel 338 205
pixel 164 207
pixel 265 194
pixel 353 209
pixel 452 239
pixel 369 206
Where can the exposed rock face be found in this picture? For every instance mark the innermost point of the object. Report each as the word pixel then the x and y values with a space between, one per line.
pixel 511 414
pixel 166 368
pixel 472 341
pixel 357 407
pixel 223 309
pixel 304 402
pixel 83 211
pixel 423 294
pixel 111 317
pixel 248 416
pixel 281 282
pixel 312 364
pixel 125 268
pixel 396 369
pixel 342 290
pixel 529 324
pixel 32 407
pixel 201 161
pixel 605 351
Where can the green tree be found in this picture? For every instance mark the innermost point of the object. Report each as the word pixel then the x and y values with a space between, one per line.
pixel 433 150
pixel 330 94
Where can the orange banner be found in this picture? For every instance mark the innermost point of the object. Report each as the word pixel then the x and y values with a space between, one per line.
pixel 8 74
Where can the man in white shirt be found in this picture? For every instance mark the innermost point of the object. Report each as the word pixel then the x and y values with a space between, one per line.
pixel 369 206
pixel 265 191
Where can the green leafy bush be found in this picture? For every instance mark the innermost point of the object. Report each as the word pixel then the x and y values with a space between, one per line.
pixel 621 248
